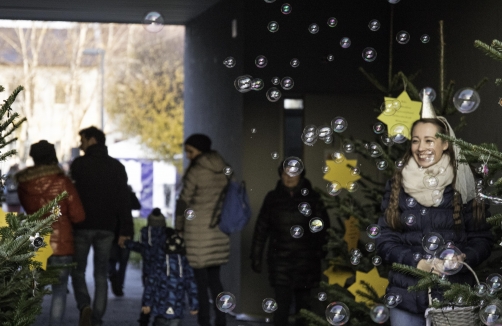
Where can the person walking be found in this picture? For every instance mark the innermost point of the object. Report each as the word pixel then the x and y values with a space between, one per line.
pixel 295 225
pixel 207 248
pixel 167 275
pixel 37 186
pixel 101 182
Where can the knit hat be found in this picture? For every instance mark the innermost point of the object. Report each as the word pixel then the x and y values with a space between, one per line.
pixel 43 153
pixel 156 218
pixel 199 141
pixel 174 243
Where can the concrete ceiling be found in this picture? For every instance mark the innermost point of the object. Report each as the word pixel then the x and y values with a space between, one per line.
pixel 175 12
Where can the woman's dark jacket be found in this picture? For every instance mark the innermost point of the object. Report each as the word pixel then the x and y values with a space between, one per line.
pixel 474 239
pixel 294 262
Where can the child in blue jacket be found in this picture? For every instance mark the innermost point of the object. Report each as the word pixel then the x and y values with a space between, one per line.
pixel 167 276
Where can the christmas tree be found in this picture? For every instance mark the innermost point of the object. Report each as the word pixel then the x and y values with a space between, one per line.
pixel 22 280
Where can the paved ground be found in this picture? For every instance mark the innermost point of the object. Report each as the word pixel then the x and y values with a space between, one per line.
pixel 122 311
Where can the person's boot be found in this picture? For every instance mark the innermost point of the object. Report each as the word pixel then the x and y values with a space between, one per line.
pixel 85 316
pixel 144 319
pixel 116 286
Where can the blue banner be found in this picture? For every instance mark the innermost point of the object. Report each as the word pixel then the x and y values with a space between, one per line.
pixel 146 199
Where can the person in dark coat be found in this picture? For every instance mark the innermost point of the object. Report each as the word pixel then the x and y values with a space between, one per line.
pixel 167 276
pixel 294 262
pixel 101 182
pixel 439 193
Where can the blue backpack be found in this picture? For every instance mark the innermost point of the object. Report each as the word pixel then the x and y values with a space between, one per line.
pixel 235 208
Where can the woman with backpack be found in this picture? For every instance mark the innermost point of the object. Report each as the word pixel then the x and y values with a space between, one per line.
pixel 207 246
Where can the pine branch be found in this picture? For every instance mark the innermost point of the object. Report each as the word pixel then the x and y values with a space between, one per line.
pixel 495 219
pixel 481 83
pixel 409 270
pixel 312 318
pixel 6 107
pixel 1 88
pixel 372 79
pixel 490 51
pixel 498 81
pixel 470 147
pixel 496 44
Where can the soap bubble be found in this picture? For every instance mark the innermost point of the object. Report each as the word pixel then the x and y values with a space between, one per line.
pixel 269 305
pixel 305 209
pixel 332 21
pixel 355 170
pixel 431 242
pixel 286 8
pixel 370 246
pixel 429 91
pixel 227 170
pixel 411 202
pixel 305 192
pixel 388 108
pixel 447 260
pixel 287 83
pixel 334 188
pixel 311 131
pixel 273 26
pixel 378 128
pixel 379 313
pixel 491 314
pixel 338 157
pixel 243 83
pixel 382 165
pixel 410 219
pixel 348 146
pixel 392 300
pixel 466 100
pixel 425 38
pixel 273 94
pixel 309 140
pixel 153 22
pixel 269 1
pixel 253 130
pixel 352 186
pixel 189 214
pixel 400 164
pixel 294 62
pixel 356 252
pixel 325 169
pixel 375 150
pixel 261 61
pixel 399 133
pixel 369 54
pixel 374 25
pixel 330 57
pixel 225 302
pixel 337 313
pixel 324 131
pixel 424 211
pixel 316 224
pixel 376 260
pixel 430 182
pixel 313 28
pixel 322 296
pixel 417 256
pixel 276 80
pixel 373 231
pixel 345 42
pixel 296 231
pixel 494 282
pixel 480 289
pixel 403 37
pixel 394 1
pixel 229 62
pixel 293 166
pixel 339 124
pixel 386 140
pixel 257 84
pixel 328 139
pixel 355 260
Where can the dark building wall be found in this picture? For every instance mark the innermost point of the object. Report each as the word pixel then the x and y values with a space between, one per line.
pixel 212 105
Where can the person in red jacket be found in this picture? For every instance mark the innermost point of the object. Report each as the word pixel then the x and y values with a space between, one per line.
pixel 37 186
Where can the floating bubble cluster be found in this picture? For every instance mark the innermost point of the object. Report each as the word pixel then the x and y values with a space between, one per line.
pixel 355 170
pixel 431 242
pixel 369 54
pixel 294 62
pixel 286 9
pixel 257 84
pixel 352 186
pixel 375 150
pixel 322 296
pixel 382 165
pixel 491 314
pixel 305 209
pixel 325 169
pixel 376 260
pixel 338 157
pixel 276 80
pixel 305 192
pixel 392 300
pixel 425 38
pixel 243 83
pixel 370 246
pixel 330 57
pixel 296 231
pixel 309 135
pixel 494 283
pixel 287 83
pixel 274 155
pixel 378 128
pixel 429 91
pixel 348 146
pixel 400 164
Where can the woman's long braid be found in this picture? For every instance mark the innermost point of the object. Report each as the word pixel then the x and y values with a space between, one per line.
pixel 392 212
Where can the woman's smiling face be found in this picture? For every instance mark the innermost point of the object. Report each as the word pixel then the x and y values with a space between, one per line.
pixel 426 149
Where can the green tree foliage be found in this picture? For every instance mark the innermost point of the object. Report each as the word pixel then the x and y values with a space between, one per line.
pixel 147 97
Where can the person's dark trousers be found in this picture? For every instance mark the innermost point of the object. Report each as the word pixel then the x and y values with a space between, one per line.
pixel 101 242
pixel 118 256
pixel 208 278
pixel 284 296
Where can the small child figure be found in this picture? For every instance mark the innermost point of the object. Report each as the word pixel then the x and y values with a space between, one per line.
pixel 167 276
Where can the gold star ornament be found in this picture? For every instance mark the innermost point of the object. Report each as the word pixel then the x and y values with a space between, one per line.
pixel 399 114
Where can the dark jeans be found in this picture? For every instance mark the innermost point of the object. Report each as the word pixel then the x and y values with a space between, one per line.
pixel 118 256
pixel 284 296
pixel 160 321
pixel 101 242
pixel 208 278
pixel 58 304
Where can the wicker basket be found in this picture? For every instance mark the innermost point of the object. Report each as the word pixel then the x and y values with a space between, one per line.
pixel 455 315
